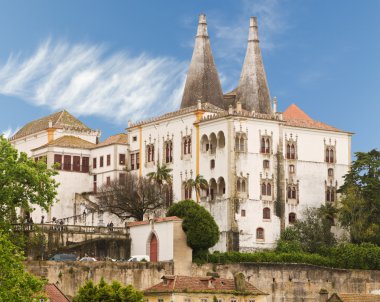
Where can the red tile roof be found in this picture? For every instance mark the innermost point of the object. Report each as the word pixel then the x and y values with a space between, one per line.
pixel 120 139
pixel 55 294
pixel 354 298
pixel 294 116
pixel 68 141
pixel 61 119
pixel 157 220
pixel 181 284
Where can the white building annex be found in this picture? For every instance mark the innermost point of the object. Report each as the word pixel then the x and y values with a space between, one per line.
pixel 263 167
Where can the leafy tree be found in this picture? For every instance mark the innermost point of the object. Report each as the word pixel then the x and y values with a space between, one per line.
pixel 23 182
pixel 103 292
pixel 133 198
pixel 16 284
pixel 311 234
pixel 161 176
pixel 360 202
pixel 199 183
pixel 200 227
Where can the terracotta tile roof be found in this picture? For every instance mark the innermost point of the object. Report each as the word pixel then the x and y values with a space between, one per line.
pixel 157 220
pixel 120 139
pixel 354 298
pixel 205 106
pixel 68 141
pixel 180 284
pixel 61 119
pixel 54 293
pixel 294 116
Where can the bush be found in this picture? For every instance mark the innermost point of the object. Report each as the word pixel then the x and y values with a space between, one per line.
pixel 200 227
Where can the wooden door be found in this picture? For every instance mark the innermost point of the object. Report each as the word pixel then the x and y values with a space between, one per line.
pixel 153 248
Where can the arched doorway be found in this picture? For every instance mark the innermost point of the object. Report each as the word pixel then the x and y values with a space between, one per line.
pixel 153 250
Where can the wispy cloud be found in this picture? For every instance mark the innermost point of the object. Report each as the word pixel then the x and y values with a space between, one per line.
pixel 88 80
pixel 9 132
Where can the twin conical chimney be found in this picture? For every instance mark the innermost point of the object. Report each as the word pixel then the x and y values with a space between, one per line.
pixel 253 91
pixel 202 82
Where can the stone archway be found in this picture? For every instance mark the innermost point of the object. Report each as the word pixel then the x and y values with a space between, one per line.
pixel 153 248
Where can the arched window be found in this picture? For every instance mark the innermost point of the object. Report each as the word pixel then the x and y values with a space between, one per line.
pixel 243 188
pixel 266 164
pixel 186 141
pixel 292 192
pixel 263 145
pixel 187 191
pixel 189 145
pixel 292 151
pixel 267 145
pixel 330 194
pixel 213 143
pixel 204 143
pixel 238 186
pixel 221 186
pixel 330 155
pixel 269 189
pixel 330 172
pixel 168 152
pixel 263 189
pixel 288 151
pixel 150 153
pixel 292 218
pixel 212 164
pixel 213 188
pixel 266 213
pixel 221 139
pixel 185 146
pixel 260 233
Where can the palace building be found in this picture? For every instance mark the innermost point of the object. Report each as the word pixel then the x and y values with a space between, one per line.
pixel 263 167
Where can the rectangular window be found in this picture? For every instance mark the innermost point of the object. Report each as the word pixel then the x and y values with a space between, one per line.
pixel 108 180
pixel 85 164
pixel 137 160
pixel 67 163
pixel 132 161
pixel 122 179
pixel 58 161
pixel 108 159
pixel 101 161
pixel 94 184
pixel 134 138
pixel 242 213
pixel 122 159
pixel 76 163
pixel 94 163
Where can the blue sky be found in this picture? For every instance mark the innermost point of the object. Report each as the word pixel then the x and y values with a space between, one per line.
pixel 110 61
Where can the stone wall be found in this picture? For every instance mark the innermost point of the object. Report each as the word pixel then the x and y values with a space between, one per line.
pixel 284 282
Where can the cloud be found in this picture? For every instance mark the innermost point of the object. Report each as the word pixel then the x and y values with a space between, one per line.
pixel 88 80
pixel 9 132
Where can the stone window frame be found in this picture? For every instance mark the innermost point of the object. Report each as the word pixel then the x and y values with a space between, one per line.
pixel 331 192
pixel 265 212
pixel 260 234
pixel 265 142
pixel 242 182
pixel 186 149
pixel 330 152
pixel 292 218
pixel 291 147
pixel 241 142
pixel 267 182
pixel 294 187
pixel 168 142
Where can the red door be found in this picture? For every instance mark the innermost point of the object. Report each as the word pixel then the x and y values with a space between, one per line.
pixel 153 248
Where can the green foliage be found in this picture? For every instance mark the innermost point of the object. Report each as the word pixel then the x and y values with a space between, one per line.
pixel 104 292
pixel 198 184
pixel 360 203
pixel 161 176
pixel 23 183
pixel 347 255
pixel 200 227
pixel 16 284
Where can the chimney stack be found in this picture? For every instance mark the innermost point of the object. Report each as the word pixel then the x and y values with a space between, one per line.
pixel 274 105
pixel 238 107
pixel 239 279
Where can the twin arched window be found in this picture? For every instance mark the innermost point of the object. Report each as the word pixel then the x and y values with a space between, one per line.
pixel 330 194
pixel 266 189
pixel 290 151
pixel 186 145
pixel 265 145
pixel 292 192
pixel 329 155
pixel 168 152
pixel 150 153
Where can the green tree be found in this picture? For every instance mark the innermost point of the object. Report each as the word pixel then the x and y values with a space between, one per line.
pixel 200 227
pixel 359 210
pixel 16 284
pixel 104 292
pixel 161 176
pixel 24 183
pixel 311 234
pixel 198 184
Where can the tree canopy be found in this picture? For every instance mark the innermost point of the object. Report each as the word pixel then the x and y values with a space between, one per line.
pixel 23 182
pixel 199 183
pixel 103 292
pixel 200 227
pixel 132 198
pixel 16 284
pixel 360 202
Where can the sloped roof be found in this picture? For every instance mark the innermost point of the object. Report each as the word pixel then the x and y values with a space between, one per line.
pixel 55 294
pixel 294 116
pixel 61 119
pixel 181 284
pixel 156 220
pixel 120 139
pixel 346 297
pixel 69 141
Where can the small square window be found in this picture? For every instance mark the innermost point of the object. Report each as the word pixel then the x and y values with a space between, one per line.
pixel 242 213
pixel 134 138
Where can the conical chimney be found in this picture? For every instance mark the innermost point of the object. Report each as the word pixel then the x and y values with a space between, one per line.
pixel 253 91
pixel 202 82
